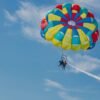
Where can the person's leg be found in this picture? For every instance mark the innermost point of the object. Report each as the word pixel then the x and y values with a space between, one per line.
pixel 60 63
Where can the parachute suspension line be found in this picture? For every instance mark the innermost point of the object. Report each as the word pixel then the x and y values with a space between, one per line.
pixel 62 52
pixel 84 52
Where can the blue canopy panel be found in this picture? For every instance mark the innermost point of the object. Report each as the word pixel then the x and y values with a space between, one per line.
pixel 68 7
pixel 86 20
pixel 60 35
pixel 59 13
pixel 75 37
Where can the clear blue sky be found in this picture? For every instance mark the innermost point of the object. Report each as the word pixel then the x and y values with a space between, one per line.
pixel 28 65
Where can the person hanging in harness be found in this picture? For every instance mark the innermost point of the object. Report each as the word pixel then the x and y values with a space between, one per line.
pixel 63 62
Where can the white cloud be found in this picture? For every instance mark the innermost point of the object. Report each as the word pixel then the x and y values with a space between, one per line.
pixel 54 84
pixel 28 13
pixel 32 33
pixel 10 17
pixel 29 17
pixel 61 90
pixel 85 62
pixel 64 96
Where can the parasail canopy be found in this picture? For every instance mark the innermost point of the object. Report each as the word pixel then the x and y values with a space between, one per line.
pixel 70 27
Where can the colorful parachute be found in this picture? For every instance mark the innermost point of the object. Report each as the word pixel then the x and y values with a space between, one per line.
pixel 70 27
